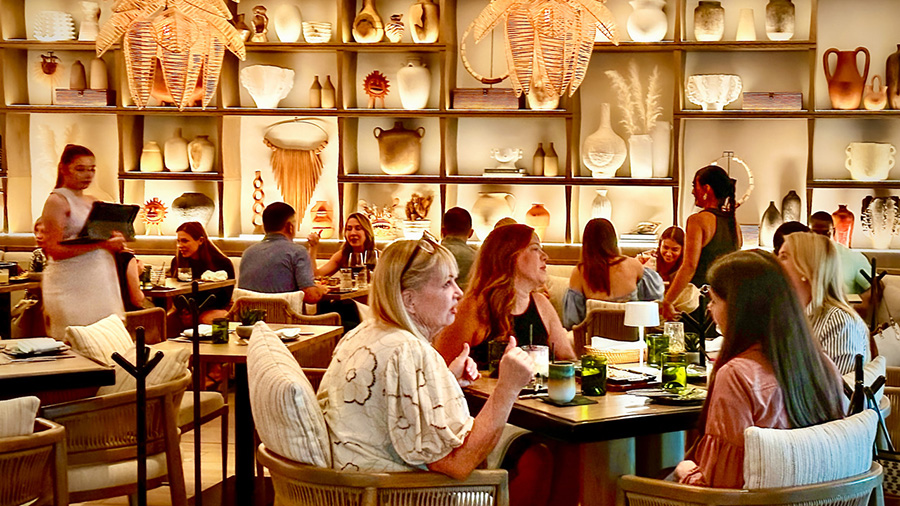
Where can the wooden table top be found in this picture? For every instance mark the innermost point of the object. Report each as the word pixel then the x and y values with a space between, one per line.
pixel 616 415
pixel 24 378
pixel 176 288
pixel 352 294
pixel 15 287
pixel 236 352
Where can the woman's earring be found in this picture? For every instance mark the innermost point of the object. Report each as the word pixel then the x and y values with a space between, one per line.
pixel 803 278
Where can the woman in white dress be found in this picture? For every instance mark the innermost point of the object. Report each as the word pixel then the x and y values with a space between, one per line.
pixel 80 283
pixel 390 401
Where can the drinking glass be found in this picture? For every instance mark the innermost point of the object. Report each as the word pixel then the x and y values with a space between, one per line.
pixel 496 348
pixel 185 274
pixel 674 370
pixel 675 332
pixel 356 266
pixel 370 258
pixel 541 356
pixel 593 375
pixel 657 344
pixel 561 381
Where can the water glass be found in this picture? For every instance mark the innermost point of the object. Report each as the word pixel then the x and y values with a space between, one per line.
pixel 675 333
pixel 185 274
pixel 657 344
pixel 346 279
pixel 561 382
pixel 220 331
pixel 674 370
pixel 496 348
pixel 593 375
pixel 541 356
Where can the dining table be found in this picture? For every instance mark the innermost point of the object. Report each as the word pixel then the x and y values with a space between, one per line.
pixel 336 294
pixel 164 296
pixel 312 348
pixel 596 443
pixel 52 378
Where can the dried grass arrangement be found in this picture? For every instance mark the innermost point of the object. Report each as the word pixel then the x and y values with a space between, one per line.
pixel 640 111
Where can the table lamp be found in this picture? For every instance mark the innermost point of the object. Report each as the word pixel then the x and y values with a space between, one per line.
pixel 640 315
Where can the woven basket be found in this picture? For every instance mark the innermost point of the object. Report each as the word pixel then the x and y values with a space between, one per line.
pixel 614 356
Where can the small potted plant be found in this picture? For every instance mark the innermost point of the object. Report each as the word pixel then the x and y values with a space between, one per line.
pixel 37 264
pixel 249 317
pixel 692 347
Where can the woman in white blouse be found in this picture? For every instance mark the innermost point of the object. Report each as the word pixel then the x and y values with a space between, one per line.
pixel 812 263
pixel 390 401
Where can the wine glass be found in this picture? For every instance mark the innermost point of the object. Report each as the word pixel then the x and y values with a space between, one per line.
pixel 370 258
pixel 356 264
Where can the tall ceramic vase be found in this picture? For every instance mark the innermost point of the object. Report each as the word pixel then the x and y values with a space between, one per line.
pixel 315 94
pixel 328 94
pixel 368 26
pixel 176 153
pixel 845 84
pixel 779 20
pixel 288 23
pixel 843 224
pixel 538 218
pixel 488 209
pixel 414 84
pixel 601 207
pixel 771 220
pixel 709 21
pixel 662 145
pixel 647 22
pixel 892 79
pixel 640 152
pixel 603 152
pixel 202 154
pixel 881 219
pixel 424 22
pixel 790 207
pixel 151 158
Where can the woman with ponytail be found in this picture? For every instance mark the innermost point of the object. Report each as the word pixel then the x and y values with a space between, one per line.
pixel 709 234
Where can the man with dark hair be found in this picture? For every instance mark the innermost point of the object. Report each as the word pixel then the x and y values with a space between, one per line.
pixel 852 262
pixel 785 229
pixel 276 264
pixel 456 228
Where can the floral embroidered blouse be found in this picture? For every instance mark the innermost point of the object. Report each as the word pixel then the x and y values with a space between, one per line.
pixel 390 402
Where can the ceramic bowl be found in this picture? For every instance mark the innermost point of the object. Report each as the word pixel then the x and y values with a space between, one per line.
pixel 316 32
pixel 267 84
pixel 713 92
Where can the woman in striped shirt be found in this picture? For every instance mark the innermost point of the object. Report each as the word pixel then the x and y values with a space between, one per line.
pixel 812 263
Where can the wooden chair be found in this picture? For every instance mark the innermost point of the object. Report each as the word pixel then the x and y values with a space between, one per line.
pixel 34 466
pixel 304 485
pixel 892 392
pixel 101 442
pixel 603 322
pixel 279 311
pixel 212 404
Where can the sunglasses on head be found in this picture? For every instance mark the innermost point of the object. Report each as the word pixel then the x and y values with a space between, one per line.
pixel 427 243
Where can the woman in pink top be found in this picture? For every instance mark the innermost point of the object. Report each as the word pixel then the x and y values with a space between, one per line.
pixel 770 372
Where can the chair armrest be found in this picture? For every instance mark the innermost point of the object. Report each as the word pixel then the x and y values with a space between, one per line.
pixel 314 375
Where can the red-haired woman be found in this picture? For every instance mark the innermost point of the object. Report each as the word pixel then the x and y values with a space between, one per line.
pixel 503 298
pixel 76 273
pixel 195 251
pixel 605 274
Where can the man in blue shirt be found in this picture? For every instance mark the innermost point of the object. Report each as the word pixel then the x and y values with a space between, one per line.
pixel 456 229
pixel 277 264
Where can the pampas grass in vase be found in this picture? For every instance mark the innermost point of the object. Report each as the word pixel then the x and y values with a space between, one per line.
pixel 640 111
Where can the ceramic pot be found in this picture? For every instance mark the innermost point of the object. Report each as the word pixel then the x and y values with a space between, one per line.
pixel 870 161
pixel 267 84
pixel 537 163
pixel 843 225
pixel 399 149
pixel 746 29
pixel 201 154
pixel 875 98
pixel 328 94
pixel 712 92
pixel 317 32
pixel 647 22
pixel 541 95
pixel 488 209
pixel 288 23
pixel 90 21
pixel 176 153
pixel 845 84
pixel 790 207
pixel 538 218
pixel 603 152
pixel 367 26
pixel 551 162
pixel 640 153
pixel 892 79
pixel 193 206
pixel 661 134
pixel 315 94
pixel 77 77
pixel 322 222
pixel 881 219
pixel 99 77
pixel 771 220
pixel 394 30
pixel 151 158
pixel 779 20
pixel 424 22
pixel 709 21
pixel 244 331
pixel 601 207
pixel 414 84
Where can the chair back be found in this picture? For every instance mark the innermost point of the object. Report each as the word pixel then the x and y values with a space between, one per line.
pixel 33 467
pixel 153 320
pixel 279 311
pixel 603 322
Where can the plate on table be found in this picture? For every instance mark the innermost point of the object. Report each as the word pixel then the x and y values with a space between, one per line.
pixel 12 352
pixel 21 278
pixel 291 334
pixel 687 396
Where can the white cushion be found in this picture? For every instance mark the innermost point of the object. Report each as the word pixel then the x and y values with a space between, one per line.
pixel 284 404
pixel 173 365
pixel 97 476
pixel 99 340
pixel 17 416
pixel 871 371
pixel 294 299
pixel 209 402
pixel 830 451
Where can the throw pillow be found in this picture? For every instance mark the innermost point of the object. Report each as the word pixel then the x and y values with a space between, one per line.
pixel 17 416
pixel 294 299
pixel 284 405
pixel 173 365
pixel 99 340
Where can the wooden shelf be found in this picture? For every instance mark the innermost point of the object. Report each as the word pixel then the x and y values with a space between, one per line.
pixel 636 47
pixel 171 176
pixel 291 47
pixel 859 113
pixel 624 181
pixel 400 47
pixel 388 179
pixel 509 180
pixel 253 111
pixel 65 45
pixel 756 45
pixel 508 113
pixel 390 113
pixel 742 114
pixel 850 184
pixel 60 109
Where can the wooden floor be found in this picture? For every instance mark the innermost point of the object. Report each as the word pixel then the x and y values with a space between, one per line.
pixel 211 458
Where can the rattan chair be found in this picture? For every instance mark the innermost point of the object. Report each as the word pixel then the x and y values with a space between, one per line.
pixel 102 446
pixel 153 320
pixel 302 485
pixel 33 467
pixel 603 322
pixel 892 392
pixel 279 311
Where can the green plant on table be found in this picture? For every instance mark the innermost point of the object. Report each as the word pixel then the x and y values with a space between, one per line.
pixel 691 342
pixel 250 316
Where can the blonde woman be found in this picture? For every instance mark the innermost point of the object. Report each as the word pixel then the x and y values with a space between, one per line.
pixel 813 265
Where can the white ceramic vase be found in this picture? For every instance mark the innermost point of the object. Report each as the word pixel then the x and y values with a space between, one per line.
pixel 770 221
pixel 870 161
pixel 288 23
pixel 267 84
pixel 151 157
pixel 414 84
pixel 881 220
pixel 202 154
pixel 99 78
pixel 601 207
pixel 488 209
pixel 662 145
pixel 647 22
pixel 713 92
pixel 90 17
pixel 746 29
pixel 603 152
pixel 640 153
pixel 176 153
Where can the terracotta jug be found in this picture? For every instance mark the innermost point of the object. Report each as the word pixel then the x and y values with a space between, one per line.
pixel 845 84
pixel 875 98
pixel 399 149
pixel 538 218
pixel 892 79
pixel 843 224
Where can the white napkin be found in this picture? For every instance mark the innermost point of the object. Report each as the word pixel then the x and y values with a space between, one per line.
pixel 204 329
pixel 214 276
pixel 292 333
pixel 34 345
pixel 610 344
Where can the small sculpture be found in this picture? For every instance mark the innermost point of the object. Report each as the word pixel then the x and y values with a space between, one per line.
pixel 153 213
pixel 367 26
pixel 258 205
pixel 382 219
pixel 90 21
pixel 417 207
pixel 48 70
pixel 507 158
pixel 260 24
pixel 394 30
pixel 377 87
pixel 241 26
